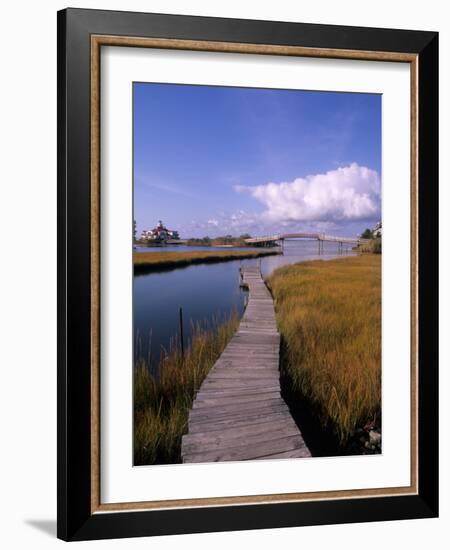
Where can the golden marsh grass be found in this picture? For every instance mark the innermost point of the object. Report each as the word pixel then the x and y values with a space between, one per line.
pixel 329 316
pixel 162 404
pixel 158 260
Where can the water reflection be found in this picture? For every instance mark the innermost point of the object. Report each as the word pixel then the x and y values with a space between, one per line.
pixel 183 248
pixel 206 292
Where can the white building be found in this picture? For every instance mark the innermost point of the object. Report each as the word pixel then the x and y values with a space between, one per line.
pixel 160 233
pixel 377 231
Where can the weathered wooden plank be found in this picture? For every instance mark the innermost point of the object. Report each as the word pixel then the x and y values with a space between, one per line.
pixel 255 366
pixel 263 352
pixel 206 393
pixel 253 338
pixel 216 413
pixel 236 409
pixel 236 440
pixel 244 358
pixel 251 363
pixel 248 420
pixel 235 354
pixel 259 414
pixel 244 374
pixel 249 452
pixel 236 383
pixel 238 432
pixel 219 401
pixel 238 413
pixel 256 352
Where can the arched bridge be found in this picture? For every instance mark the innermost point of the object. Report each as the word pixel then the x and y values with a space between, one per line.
pixel 271 240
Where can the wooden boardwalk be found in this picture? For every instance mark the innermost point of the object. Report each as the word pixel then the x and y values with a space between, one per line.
pixel 238 413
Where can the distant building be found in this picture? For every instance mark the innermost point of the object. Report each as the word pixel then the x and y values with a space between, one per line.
pixel 160 233
pixel 377 231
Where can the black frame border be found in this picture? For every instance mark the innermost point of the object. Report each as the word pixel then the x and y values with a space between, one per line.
pixel 75 521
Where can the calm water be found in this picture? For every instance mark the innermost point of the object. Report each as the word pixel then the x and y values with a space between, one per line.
pixel 207 293
pixel 182 248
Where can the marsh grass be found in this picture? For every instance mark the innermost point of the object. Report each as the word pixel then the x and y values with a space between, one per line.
pixel 162 404
pixel 371 247
pixel 152 261
pixel 329 316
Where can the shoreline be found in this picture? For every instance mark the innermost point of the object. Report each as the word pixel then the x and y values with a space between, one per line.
pixel 146 262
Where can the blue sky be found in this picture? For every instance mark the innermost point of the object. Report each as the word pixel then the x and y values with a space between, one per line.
pixel 220 160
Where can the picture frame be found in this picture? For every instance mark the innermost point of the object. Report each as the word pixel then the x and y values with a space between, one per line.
pixel 81 36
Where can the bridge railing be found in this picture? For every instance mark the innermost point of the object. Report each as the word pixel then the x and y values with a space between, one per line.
pixel 264 238
pixel 333 238
pixel 317 236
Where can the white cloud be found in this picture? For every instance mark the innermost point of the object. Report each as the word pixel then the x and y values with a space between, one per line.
pixel 345 194
pixel 214 223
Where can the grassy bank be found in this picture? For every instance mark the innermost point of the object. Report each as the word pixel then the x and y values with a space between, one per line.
pixel 149 261
pixel 161 406
pixel 329 316
pixel 370 247
pixel 219 241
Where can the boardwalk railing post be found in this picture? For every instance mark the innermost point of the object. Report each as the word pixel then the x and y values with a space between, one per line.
pixel 181 333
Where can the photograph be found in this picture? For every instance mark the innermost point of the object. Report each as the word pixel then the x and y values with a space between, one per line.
pixel 257 274
pixel 247 272
pixel 231 330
